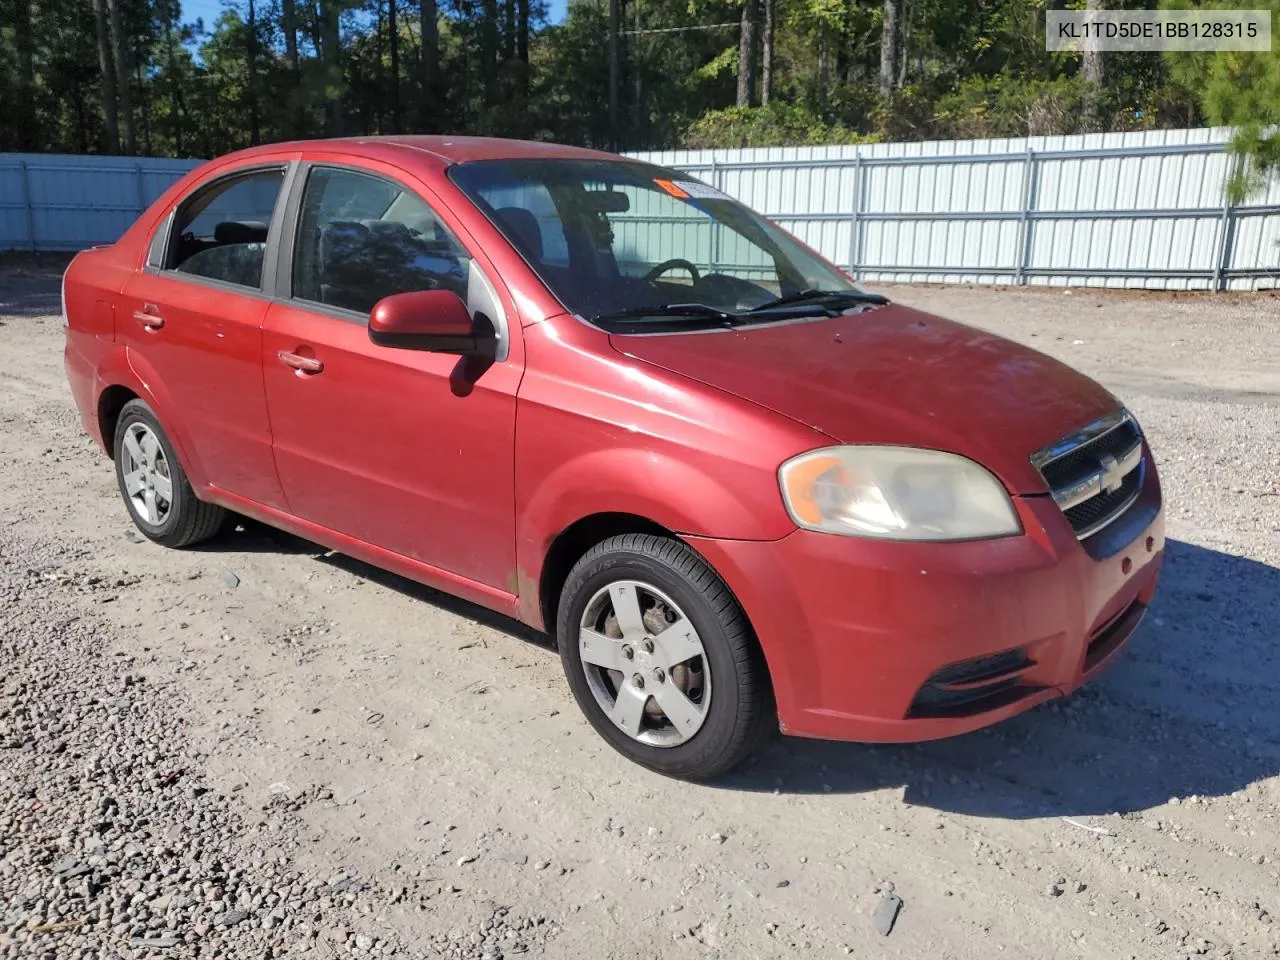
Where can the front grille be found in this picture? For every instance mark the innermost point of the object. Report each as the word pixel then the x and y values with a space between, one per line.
pixel 1096 510
pixel 1083 459
pixel 1080 468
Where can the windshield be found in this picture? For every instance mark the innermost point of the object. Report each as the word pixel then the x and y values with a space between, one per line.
pixel 618 237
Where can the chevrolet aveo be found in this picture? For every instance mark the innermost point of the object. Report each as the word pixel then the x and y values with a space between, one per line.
pixel 606 399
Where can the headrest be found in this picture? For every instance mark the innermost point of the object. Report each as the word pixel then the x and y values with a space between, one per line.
pixel 521 227
pixel 240 231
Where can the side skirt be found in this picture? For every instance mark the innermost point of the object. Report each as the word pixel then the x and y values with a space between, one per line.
pixel 479 593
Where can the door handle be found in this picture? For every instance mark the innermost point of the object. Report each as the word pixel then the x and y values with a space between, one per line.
pixel 300 363
pixel 149 316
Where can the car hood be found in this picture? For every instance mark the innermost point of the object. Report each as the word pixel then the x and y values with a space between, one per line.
pixel 894 375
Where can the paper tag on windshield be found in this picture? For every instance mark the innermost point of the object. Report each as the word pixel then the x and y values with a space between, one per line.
pixel 690 190
pixel 700 190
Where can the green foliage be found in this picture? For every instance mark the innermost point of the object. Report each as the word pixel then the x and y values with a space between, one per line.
pixel 774 125
pixel 1240 90
pixel 1004 106
pixel 725 63
pixel 969 68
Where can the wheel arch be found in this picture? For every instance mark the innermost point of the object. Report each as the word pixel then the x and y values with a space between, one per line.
pixel 127 376
pixel 571 543
pixel 110 402
pixel 615 490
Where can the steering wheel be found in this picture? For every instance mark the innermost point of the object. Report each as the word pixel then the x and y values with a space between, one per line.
pixel 666 265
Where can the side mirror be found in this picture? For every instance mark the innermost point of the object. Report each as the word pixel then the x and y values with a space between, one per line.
pixel 433 320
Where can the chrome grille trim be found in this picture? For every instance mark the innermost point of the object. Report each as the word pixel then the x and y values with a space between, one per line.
pixel 1118 512
pixel 1110 476
pixel 1103 425
pixel 1106 479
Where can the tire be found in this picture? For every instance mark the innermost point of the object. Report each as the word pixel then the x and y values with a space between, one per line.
pixel 147 468
pixel 720 700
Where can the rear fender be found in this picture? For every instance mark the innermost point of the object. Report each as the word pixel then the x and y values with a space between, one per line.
pixel 128 369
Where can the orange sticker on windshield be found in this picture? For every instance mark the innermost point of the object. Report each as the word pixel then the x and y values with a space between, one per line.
pixel 672 189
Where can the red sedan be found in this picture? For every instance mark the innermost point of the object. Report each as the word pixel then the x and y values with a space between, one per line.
pixel 606 399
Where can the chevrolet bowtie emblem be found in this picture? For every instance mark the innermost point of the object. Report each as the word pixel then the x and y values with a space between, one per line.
pixel 1112 474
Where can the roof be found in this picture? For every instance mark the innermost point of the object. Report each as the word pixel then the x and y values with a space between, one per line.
pixel 446 149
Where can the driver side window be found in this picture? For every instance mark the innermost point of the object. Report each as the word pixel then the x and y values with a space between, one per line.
pixel 361 238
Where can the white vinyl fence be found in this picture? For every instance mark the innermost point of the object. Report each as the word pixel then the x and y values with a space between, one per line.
pixel 1127 210
pixel 66 202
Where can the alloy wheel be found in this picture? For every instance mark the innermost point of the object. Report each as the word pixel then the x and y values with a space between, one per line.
pixel 147 481
pixel 645 663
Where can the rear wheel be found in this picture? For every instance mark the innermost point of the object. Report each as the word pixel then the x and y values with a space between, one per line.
pixel 661 659
pixel 154 486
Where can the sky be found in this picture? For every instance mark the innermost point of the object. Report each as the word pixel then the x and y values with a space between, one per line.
pixel 210 10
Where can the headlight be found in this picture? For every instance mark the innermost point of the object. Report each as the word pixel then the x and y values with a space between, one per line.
pixel 896 493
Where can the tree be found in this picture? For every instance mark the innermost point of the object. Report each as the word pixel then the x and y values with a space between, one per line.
pixel 489 49
pixel 889 47
pixel 106 58
pixel 430 34
pixel 508 30
pixel 329 42
pixel 289 27
pixel 26 115
pixel 615 72
pixel 123 70
pixel 747 54
pixel 571 67
pixel 132 76
pixel 251 78
pixel 522 30
pixel 394 40
pixel 766 56
pixel 177 103
pixel 1240 90
pixel 1093 68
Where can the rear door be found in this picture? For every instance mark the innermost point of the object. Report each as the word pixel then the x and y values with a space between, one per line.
pixel 409 451
pixel 192 323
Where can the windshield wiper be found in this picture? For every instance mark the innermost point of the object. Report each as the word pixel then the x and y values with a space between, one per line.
pixel 821 297
pixel 695 311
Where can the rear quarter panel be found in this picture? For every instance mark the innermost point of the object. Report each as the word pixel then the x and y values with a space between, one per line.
pixel 91 285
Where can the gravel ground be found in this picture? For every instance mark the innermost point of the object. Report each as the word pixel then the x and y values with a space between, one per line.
pixel 259 748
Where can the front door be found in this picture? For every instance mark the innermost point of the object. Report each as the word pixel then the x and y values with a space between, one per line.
pixel 393 447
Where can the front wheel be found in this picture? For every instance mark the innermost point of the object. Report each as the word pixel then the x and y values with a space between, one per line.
pixel 661 659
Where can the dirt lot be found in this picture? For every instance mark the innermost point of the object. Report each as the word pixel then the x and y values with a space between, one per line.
pixel 260 749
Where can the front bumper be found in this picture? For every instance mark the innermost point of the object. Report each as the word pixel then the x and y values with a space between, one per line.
pixel 882 641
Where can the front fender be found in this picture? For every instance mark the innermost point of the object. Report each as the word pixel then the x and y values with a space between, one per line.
pixel 638 482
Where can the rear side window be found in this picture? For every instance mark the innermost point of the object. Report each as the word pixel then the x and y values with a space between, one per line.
pixel 220 232
pixel 362 238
